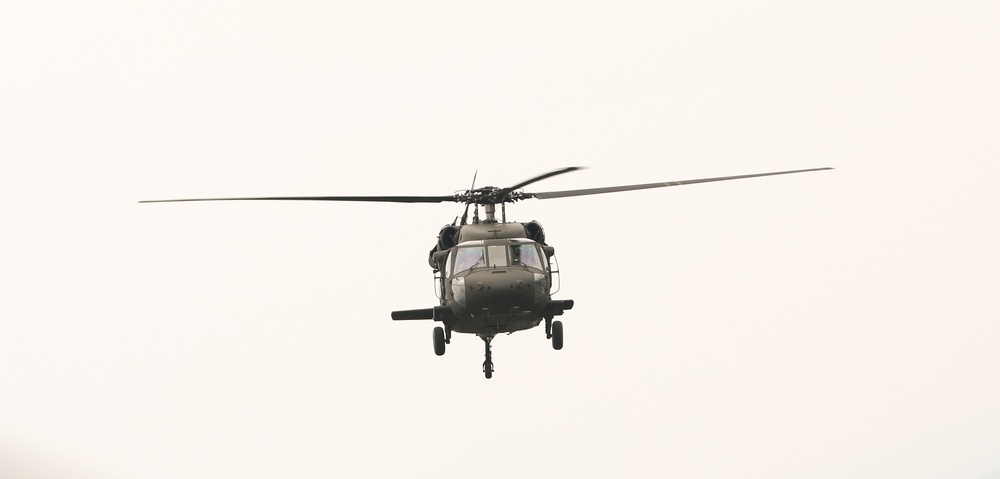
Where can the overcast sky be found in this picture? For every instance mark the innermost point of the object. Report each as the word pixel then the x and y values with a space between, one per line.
pixel 840 323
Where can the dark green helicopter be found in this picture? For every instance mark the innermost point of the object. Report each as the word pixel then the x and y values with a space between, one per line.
pixel 493 276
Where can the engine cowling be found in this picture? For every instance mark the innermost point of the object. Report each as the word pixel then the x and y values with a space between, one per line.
pixel 534 231
pixel 448 237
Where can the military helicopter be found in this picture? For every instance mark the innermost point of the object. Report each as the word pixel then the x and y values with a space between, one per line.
pixel 493 276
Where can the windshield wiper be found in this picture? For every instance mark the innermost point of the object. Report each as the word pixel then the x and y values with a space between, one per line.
pixel 482 259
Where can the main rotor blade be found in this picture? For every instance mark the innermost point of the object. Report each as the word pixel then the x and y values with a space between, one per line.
pixel 541 177
pixel 381 199
pixel 614 189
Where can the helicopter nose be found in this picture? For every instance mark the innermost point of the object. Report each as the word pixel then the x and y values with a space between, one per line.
pixel 501 289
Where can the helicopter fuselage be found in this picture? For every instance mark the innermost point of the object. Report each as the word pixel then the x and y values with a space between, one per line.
pixel 498 282
pixel 496 286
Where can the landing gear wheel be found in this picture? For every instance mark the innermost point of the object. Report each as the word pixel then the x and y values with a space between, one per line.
pixel 488 364
pixel 557 335
pixel 439 341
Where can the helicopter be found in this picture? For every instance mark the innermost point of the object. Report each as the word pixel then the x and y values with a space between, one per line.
pixel 493 276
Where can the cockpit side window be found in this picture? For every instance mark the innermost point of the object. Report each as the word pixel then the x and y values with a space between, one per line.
pixel 469 257
pixel 525 254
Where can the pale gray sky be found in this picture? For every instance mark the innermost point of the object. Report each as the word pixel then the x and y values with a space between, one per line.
pixel 840 323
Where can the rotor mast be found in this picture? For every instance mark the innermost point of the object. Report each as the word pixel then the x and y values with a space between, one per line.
pixel 491 210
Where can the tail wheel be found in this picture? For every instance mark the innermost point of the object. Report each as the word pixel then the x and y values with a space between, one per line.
pixel 439 341
pixel 557 335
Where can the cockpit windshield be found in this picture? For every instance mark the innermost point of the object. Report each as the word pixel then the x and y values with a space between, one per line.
pixel 498 255
pixel 469 257
pixel 525 254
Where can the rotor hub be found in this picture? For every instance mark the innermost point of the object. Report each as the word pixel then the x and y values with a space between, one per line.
pixel 490 195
